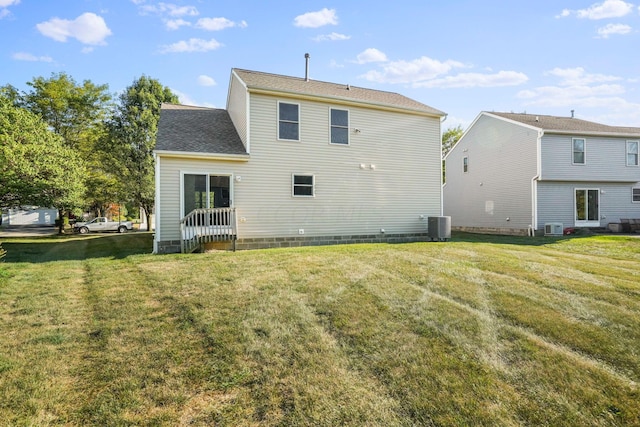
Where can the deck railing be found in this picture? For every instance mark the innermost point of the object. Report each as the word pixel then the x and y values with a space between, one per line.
pixel 202 226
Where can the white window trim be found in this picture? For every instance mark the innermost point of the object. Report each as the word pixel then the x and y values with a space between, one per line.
pixel 586 222
pixel 313 185
pixel 208 174
pixel 634 188
pixel 626 158
pixel 299 121
pixel 348 126
pixel 584 152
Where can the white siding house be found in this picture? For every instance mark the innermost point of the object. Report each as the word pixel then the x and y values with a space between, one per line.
pixel 300 162
pixel 514 173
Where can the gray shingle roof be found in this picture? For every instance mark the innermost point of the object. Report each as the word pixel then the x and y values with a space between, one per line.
pixel 190 129
pixel 558 124
pixel 331 91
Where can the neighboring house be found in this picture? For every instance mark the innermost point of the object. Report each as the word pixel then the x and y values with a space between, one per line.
pixel 513 173
pixel 292 162
pixel 29 216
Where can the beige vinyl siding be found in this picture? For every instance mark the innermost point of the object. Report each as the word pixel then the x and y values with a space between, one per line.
pixel 170 192
pixel 403 184
pixel 605 159
pixel 237 107
pixel 496 192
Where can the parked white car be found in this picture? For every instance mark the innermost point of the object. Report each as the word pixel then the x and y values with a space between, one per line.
pixel 102 224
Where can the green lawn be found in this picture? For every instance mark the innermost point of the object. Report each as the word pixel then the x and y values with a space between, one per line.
pixel 482 330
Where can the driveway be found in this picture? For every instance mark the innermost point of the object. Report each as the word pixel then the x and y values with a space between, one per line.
pixel 27 231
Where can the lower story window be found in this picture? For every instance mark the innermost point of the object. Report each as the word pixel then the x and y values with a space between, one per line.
pixel 205 191
pixel 303 185
pixel 635 195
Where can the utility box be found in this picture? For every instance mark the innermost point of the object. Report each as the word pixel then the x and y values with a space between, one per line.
pixel 439 228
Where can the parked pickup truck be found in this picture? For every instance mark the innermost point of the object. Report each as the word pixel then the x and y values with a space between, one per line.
pixel 102 224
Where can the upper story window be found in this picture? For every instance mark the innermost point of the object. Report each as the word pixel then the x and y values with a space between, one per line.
pixel 339 126
pixel 579 151
pixel 632 153
pixel 465 164
pixel 288 121
pixel 303 185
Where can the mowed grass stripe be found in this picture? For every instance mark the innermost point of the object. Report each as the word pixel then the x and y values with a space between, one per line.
pixel 291 368
pixel 462 333
pixel 42 324
pixel 604 332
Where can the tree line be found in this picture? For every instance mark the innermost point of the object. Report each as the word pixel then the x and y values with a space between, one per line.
pixel 76 147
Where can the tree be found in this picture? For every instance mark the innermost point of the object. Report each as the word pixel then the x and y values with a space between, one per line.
pixel 450 137
pixel 36 168
pixel 72 110
pixel 131 139
pixel 77 113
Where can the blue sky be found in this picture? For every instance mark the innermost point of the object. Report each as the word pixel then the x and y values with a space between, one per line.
pixel 462 57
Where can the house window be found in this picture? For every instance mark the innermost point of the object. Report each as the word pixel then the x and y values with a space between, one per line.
pixel 632 153
pixel 635 195
pixel 288 121
pixel 465 164
pixel 579 146
pixel 204 191
pixel 339 126
pixel 303 185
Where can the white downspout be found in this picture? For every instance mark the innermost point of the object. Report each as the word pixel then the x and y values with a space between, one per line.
pixel 534 185
pixel 442 120
pixel 157 230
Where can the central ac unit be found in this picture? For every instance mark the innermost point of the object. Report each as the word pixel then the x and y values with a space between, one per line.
pixel 553 229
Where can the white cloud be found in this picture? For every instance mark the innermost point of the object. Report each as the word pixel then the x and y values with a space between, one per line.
pixel 579 89
pixel 609 29
pixel 604 10
pixel 467 80
pixel 87 28
pixel 416 71
pixel 331 37
pixel 186 99
pixel 579 77
pixel 175 24
pixel 24 56
pixel 4 4
pixel 191 45
pixel 316 19
pixel 555 96
pixel 204 80
pixel 371 55
pixel 217 24
pixel 169 9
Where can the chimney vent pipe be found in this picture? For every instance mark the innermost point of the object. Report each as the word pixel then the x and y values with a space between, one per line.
pixel 306 67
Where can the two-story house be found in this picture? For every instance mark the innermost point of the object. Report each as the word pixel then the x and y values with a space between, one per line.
pixel 293 161
pixel 513 173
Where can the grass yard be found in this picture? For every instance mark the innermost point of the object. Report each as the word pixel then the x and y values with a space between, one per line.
pixel 95 330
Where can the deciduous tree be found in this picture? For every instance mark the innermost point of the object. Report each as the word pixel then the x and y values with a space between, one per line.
pixel 132 139
pixel 36 167
pixel 450 137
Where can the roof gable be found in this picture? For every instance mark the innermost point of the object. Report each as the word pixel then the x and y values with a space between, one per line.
pixel 557 124
pixel 184 128
pixel 297 86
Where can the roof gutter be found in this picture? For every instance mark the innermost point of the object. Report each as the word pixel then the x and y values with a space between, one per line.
pixel 208 156
pixel 593 133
